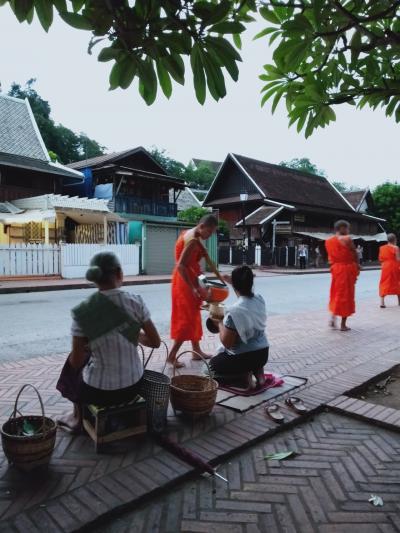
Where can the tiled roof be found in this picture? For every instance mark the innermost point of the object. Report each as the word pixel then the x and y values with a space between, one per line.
pixel 19 134
pixel 260 215
pixel 39 165
pixel 48 201
pixel 291 186
pixel 100 159
pixel 355 197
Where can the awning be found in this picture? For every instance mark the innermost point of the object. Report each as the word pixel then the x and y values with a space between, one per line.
pixel 34 215
pixel 378 237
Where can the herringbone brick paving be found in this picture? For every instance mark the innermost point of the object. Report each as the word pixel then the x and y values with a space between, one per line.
pixel 325 489
pixel 81 486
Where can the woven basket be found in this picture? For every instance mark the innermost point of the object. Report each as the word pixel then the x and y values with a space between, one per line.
pixel 27 452
pixel 155 389
pixel 193 395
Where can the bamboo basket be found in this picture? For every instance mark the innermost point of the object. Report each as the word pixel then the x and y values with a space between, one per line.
pixel 27 452
pixel 193 395
pixel 155 389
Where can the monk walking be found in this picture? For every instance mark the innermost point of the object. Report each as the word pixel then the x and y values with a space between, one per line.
pixel 345 269
pixel 389 256
pixel 187 295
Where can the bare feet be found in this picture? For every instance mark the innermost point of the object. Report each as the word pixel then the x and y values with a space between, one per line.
pixel 175 363
pixel 332 323
pixel 70 423
pixel 260 377
pixel 345 328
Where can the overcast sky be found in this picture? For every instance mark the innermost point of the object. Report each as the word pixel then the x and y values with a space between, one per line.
pixel 361 148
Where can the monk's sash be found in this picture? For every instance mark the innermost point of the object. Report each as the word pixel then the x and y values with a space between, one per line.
pixel 98 315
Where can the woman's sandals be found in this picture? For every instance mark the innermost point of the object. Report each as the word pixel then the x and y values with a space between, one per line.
pixel 274 412
pixel 296 404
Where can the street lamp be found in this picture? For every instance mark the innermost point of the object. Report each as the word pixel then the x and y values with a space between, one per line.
pixel 243 198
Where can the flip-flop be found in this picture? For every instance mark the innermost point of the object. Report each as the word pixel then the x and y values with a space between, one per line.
pixel 176 364
pixel 72 430
pixel 296 404
pixel 274 412
pixel 383 306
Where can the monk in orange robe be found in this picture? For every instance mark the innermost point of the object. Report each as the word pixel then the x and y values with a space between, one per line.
pixel 187 295
pixel 389 256
pixel 345 269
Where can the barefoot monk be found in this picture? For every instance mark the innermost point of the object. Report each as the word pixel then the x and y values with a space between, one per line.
pixel 389 256
pixel 187 295
pixel 345 269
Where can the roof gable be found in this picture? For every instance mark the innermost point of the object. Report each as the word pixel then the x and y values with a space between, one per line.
pixel 19 134
pixel 357 198
pixel 291 186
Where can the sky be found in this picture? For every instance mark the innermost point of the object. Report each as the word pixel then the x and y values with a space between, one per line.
pixel 359 149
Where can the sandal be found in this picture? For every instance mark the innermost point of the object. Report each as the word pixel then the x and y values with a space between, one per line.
pixel 296 404
pixel 176 364
pixel 274 412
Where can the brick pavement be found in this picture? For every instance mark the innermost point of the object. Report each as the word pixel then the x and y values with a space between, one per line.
pixel 324 489
pixel 81 487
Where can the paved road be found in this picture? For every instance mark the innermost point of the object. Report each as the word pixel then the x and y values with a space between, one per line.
pixel 35 324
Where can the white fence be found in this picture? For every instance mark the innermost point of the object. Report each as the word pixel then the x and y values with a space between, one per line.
pixel 69 260
pixel 29 260
pixel 75 258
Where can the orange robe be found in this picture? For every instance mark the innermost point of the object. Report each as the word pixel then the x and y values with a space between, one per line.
pixel 186 317
pixel 390 275
pixel 344 270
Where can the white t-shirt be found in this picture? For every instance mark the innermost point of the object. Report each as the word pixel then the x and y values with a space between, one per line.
pixel 115 362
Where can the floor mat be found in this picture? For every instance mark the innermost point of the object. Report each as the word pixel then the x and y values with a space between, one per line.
pixel 244 403
pixel 270 381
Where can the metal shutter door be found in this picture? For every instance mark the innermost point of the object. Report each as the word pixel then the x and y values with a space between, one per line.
pixel 160 244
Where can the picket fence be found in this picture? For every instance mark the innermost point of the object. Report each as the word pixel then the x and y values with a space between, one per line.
pixel 68 260
pixel 75 258
pixel 29 260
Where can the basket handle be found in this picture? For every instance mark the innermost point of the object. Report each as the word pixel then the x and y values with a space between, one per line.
pixel 16 410
pixel 198 355
pixel 151 353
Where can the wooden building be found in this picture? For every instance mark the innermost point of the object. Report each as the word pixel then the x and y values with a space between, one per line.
pixel 278 206
pixel 25 166
pixel 136 185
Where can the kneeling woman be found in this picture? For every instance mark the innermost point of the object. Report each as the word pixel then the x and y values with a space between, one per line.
pixel 244 350
pixel 104 367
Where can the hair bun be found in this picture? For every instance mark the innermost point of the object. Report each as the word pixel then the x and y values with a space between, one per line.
pixel 94 273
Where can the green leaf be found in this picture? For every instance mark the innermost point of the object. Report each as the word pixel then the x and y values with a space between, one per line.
pixel 164 79
pixel 199 79
pixel 148 81
pixel 227 27
pixel 277 97
pixel 76 21
pixel 114 76
pixel 44 10
pixel 237 40
pixel 129 68
pixel 77 5
pixel 263 33
pixel 224 46
pixel 279 456
pixel 355 45
pixel 175 66
pixel 21 8
pixel 215 78
pixel 269 15
pixel 60 5
pixel 219 11
pixel 302 120
pixel 108 53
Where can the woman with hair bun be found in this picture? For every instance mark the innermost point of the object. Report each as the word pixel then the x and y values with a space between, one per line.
pixel 104 366
pixel 245 348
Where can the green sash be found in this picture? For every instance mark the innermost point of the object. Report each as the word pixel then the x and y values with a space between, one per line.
pixel 98 315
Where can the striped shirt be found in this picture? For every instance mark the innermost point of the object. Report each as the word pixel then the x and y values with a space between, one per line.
pixel 115 362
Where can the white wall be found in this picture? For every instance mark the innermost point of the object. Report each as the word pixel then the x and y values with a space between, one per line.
pixel 75 258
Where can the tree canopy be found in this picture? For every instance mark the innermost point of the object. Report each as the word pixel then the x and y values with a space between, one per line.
pixel 387 205
pixel 192 215
pixel 62 143
pixel 199 177
pixel 303 164
pixel 326 52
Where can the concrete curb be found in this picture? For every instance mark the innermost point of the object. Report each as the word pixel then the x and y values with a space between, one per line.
pixel 84 285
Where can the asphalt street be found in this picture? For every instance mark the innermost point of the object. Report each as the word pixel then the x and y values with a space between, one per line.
pixel 34 324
